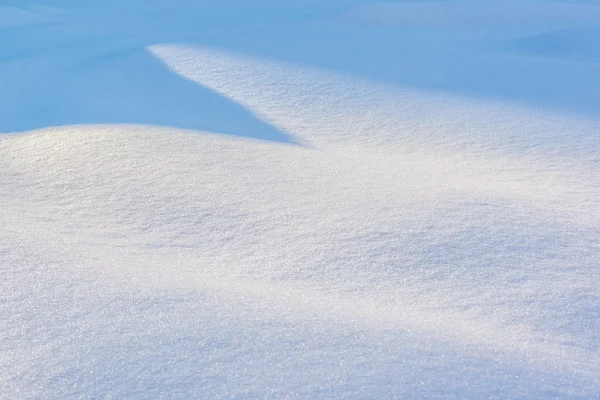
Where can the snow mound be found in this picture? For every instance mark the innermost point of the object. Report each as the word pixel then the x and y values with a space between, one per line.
pixel 468 259
pixel 325 108
pixel 404 208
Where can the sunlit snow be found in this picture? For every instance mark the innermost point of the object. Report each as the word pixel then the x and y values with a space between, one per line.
pixel 307 199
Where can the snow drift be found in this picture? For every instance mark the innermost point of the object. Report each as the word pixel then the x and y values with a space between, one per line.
pixel 232 224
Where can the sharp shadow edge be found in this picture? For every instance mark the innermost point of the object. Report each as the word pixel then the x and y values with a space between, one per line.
pixel 131 86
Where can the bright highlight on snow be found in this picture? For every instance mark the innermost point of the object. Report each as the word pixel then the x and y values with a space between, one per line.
pixel 346 200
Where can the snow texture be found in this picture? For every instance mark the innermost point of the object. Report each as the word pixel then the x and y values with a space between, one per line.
pixel 342 199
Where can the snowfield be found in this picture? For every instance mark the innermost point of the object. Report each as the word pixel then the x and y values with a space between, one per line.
pixel 303 199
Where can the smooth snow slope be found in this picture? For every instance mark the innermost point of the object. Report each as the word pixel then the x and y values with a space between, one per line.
pixel 299 200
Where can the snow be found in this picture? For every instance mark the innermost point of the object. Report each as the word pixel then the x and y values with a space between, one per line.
pixel 477 14
pixel 301 200
pixel 15 16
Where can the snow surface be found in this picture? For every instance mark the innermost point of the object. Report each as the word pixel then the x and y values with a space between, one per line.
pixel 308 199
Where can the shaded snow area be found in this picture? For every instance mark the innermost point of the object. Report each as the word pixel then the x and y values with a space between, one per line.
pixel 299 199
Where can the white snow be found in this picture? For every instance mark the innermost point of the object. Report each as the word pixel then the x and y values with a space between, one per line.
pixel 300 200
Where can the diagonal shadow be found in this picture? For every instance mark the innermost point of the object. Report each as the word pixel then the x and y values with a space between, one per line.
pixel 127 86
